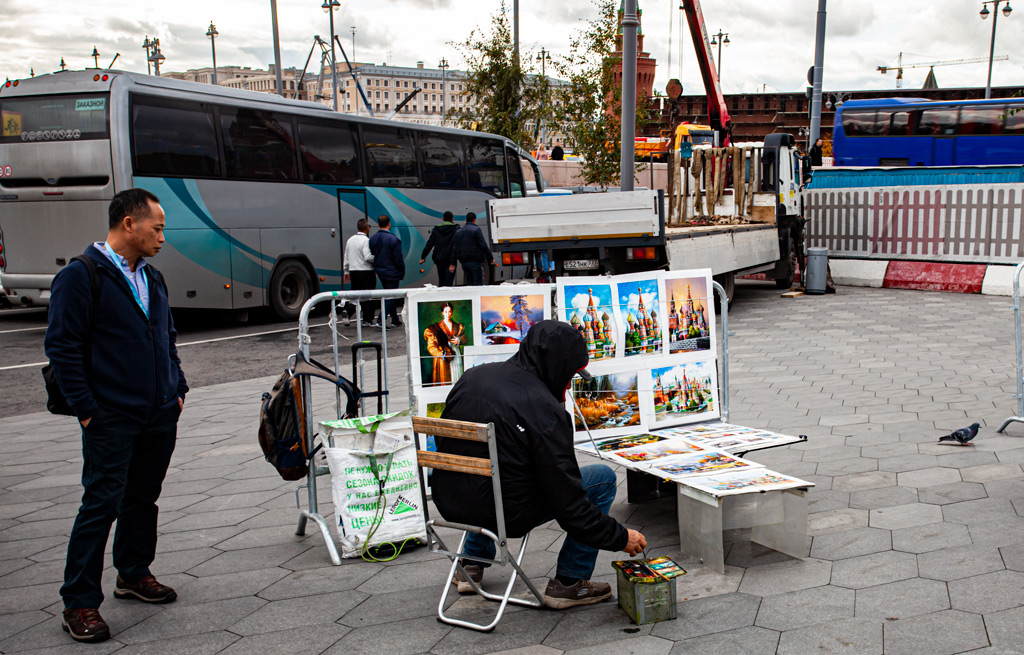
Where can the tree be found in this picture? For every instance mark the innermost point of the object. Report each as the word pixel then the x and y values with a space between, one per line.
pixel 503 97
pixel 582 105
pixel 521 314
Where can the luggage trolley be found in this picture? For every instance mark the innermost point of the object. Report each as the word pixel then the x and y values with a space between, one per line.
pixel 382 394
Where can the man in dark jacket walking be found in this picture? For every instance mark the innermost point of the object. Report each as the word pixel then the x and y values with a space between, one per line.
pixel 471 251
pixel 389 264
pixel 540 480
pixel 816 153
pixel 441 241
pixel 119 370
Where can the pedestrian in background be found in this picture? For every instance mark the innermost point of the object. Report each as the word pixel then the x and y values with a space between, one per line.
pixel 816 152
pixel 471 251
pixel 389 264
pixel 557 154
pixel 441 240
pixel 358 267
pixel 115 360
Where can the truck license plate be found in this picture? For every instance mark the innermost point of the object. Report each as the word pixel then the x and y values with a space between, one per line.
pixel 580 265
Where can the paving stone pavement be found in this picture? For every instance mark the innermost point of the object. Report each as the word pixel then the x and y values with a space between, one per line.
pixel 913 546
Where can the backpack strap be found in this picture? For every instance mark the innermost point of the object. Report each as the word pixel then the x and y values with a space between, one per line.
pixel 313 368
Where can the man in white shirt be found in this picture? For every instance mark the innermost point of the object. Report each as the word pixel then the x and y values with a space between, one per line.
pixel 358 269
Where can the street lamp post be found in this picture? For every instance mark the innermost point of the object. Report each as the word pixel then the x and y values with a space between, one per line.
pixel 212 33
pixel 95 57
pixel 544 57
pixel 147 44
pixel 719 39
pixel 353 30
pixel 156 57
pixel 992 46
pixel 331 6
pixel 444 88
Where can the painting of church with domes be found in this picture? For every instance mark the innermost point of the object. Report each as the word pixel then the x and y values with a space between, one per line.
pixel 638 306
pixel 683 390
pixel 588 309
pixel 689 314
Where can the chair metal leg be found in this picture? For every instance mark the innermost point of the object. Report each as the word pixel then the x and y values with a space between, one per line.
pixel 1007 422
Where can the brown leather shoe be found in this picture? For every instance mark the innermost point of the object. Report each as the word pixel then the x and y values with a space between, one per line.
pixel 85 625
pixel 147 590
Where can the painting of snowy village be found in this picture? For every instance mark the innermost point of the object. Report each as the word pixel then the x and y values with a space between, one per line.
pixel 506 319
pixel 638 309
pixel 588 308
pixel 684 393
pixel 705 462
pixel 608 402
pixel 690 313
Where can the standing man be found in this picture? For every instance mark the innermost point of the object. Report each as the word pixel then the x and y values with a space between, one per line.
pixel 524 397
pixel 389 264
pixel 816 153
pixel 441 240
pixel 118 367
pixel 358 268
pixel 471 251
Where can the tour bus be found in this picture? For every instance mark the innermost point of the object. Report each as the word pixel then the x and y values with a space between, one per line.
pixel 920 132
pixel 260 192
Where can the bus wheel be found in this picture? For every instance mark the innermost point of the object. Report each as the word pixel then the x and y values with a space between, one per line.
pixel 290 288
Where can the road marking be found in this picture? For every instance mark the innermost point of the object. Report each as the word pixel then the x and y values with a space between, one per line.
pixel 42 327
pixel 194 343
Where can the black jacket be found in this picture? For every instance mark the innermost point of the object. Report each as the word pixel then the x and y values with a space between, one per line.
pixel 524 398
pixel 388 261
pixel 135 367
pixel 470 245
pixel 441 240
pixel 815 153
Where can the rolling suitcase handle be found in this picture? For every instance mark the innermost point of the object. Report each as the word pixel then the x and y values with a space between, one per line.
pixel 379 393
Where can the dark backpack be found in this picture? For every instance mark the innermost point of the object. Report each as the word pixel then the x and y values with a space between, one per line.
pixel 282 433
pixel 56 403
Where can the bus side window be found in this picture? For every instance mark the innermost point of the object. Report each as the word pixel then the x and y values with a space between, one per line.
pixel 258 145
pixel 391 156
pixel 486 163
pixel 173 138
pixel 859 122
pixel 442 161
pixel 1014 120
pixel 981 120
pixel 938 121
pixel 328 151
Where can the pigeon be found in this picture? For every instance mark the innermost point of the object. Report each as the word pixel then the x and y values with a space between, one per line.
pixel 963 435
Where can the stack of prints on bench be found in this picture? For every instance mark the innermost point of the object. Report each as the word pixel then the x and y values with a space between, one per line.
pixel 701 457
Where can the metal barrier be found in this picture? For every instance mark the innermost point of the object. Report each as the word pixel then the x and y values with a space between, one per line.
pixel 1019 418
pixel 723 385
pixel 338 300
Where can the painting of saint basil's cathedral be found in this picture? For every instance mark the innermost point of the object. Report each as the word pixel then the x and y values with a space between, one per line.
pixel 588 309
pixel 688 315
pixel 638 305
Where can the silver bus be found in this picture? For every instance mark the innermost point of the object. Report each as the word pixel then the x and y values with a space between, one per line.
pixel 260 192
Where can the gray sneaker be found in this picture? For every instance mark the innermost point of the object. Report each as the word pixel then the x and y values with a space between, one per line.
pixel 585 592
pixel 476 574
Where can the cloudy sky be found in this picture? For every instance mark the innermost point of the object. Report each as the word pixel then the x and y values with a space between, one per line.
pixel 772 43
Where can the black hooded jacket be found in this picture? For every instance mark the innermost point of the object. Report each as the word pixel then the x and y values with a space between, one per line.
pixel 524 398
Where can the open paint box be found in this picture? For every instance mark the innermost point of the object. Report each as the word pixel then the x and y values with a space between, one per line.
pixel 647 588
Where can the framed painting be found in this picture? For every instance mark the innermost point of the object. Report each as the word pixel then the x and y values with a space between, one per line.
pixel 639 314
pixel 680 393
pixel 688 307
pixel 506 318
pixel 441 325
pixel 588 305
pixel 608 405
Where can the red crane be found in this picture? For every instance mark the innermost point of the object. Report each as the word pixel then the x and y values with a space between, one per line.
pixel 718 113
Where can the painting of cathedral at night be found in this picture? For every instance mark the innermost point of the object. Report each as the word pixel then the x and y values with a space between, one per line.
pixel 689 314
pixel 638 306
pixel 506 319
pixel 683 390
pixel 588 308
pixel 608 401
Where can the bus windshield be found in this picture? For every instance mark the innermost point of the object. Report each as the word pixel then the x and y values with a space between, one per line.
pixel 70 117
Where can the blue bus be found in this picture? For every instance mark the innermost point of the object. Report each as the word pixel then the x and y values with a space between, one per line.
pixel 920 132
pixel 260 192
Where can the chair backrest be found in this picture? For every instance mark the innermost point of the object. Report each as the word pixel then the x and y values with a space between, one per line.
pixel 479 432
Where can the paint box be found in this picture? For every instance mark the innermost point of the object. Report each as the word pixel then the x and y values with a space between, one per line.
pixel 646 594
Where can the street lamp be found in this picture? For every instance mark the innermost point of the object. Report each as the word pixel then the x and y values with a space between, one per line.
pixel 331 6
pixel 544 57
pixel 836 99
pixel 212 33
pixel 444 88
pixel 719 39
pixel 147 44
pixel 353 30
pixel 992 46
pixel 156 57
pixel 95 57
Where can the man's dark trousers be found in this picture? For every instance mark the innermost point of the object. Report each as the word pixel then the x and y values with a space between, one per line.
pixel 391 304
pixel 445 276
pixel 473 273
pixel 362 281
pixel 125 461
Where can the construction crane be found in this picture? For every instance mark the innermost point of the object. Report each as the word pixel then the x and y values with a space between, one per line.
pixel 932 64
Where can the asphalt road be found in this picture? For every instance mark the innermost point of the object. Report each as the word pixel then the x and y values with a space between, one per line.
pixel 214 346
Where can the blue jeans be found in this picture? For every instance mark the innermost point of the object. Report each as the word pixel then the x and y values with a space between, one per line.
pixel 575 559
pixel 473 274
pixel 124 466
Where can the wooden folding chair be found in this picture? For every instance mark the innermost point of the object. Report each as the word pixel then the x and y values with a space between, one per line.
pixel 483 433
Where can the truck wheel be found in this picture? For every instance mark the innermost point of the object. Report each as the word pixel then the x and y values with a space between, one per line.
pixel 290 288
pixel 728 282
pixel 787 282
